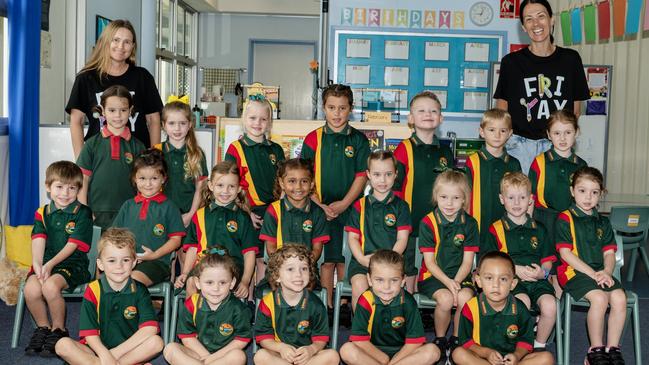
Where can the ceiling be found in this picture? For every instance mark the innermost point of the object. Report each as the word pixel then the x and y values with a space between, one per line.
pixel 274 7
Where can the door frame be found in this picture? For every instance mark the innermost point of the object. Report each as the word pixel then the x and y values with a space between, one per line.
pixel 253 42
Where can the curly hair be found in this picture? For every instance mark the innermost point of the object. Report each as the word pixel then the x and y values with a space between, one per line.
pixel 287 251
pixel 287 165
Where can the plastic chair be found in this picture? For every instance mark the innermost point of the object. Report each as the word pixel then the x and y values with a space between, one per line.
pixel 632 224
pixel 165 290
pixel 75 293
pixel 422 300
pixel 632 306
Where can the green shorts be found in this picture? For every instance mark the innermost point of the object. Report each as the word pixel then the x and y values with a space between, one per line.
pixel 429 286
pixel 389 350
pixel 104 219
pixel 355 268
pixel 333 250
pixel 534 290
pixel 157 271
pixel 409 256
pixel 74 275
pixel 548 217
pixel 581 284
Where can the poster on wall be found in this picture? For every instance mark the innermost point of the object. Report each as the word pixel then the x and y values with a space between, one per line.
pixel 375 137
pixel 442 95
pixel 357 74
pixel 358 48
pixel 476 52
pixel 396 76
pixel 476 78
pixel 436 76
pixel 475 100
pixel 509 9
pixel 436 51
pixel 397 50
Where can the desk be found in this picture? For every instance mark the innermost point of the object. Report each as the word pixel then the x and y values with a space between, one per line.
pixel 610 200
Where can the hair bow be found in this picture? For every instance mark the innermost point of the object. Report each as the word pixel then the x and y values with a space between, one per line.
pixel 257 97
pixel 183 99
pixel 216 251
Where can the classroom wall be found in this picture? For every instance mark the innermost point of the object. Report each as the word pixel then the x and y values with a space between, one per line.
pixel 52 81
pixel 115 9
pixel 628 133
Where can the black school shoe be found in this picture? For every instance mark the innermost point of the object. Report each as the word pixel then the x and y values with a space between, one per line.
pixel 453 343
pixel 51 340
pixel 35 345
pixel 597 356
pixel 345 315
pixel 442 344
pixel 615 356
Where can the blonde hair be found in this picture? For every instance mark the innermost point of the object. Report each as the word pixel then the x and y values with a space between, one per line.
pixel 287 251
pixel 423 94
pixel 453 178
pixel 225 168
pixel 66 172
pixel 515 180
pixel 495 115
pixel 118 238
pixel 261 102
pixel 100 57
pixel 194 154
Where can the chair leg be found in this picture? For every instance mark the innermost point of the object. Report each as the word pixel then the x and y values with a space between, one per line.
pixel 566 328
pixel 636 330
pixel 632 262
pixel 558 335
pixel 166 291
pixel 645 259
pixel 334 333
pixel 254 342
pixel 18 317
pixel 174 318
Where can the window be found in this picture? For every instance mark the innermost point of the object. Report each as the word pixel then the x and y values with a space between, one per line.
pixel 175 53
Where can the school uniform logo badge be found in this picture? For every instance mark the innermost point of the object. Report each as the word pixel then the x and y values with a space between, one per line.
pixel 69 228
pixel 130 312
pixel 302 327
pixel 390 220
pixel 397 322
pixel 226 329
pixel 128 157
pixel 232 226
pixel 600 233
pixel 349 151
pixel 158 229
pixel 458 240
pixel 512 331
pixel 443 162
pixel 307 226
pixel 273 158
pixel 534 242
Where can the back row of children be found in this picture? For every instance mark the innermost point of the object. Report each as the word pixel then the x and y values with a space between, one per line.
pixel 315 208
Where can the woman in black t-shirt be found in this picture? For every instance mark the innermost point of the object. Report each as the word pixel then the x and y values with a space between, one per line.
pixel 537 80
pixel 112 62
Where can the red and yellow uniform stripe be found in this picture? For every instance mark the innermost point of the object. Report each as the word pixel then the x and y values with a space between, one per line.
pixel 473 164
pixel 192 304
pixel 277 213
pixel 566 272
pixel 318 162
pixel 471 311
pixel 367 301
pixel 538 166
pixel 431 221
pixel 93 295
pixel 407 160
pixel 201 233
pixel 498 231
pixel 267 307
pixel 247 181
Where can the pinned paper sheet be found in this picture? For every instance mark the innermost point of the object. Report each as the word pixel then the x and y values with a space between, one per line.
pixel 436 51
pixel 435 76
pixel 476 52
pixel 396 50
pixel 475 101
pixel 357 74
pixel 396 76
pixel 358 48
pixel 442 95
pixel 475 77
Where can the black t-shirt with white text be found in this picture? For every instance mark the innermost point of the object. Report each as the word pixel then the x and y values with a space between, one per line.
pixel 87 90
pixel 534 87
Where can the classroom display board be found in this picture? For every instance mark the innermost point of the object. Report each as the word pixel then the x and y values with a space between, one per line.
pixel 592 141
pixel 399 64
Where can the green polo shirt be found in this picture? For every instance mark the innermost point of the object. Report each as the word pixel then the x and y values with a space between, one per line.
pixel 382 220
pixel 108 164
pixel 484 172
pixel 152 220
pixel 447 240
pixel 387 326
pixel 503 331
pixel 214 328
pixel 551 176
pixel 418 165
pixel 338 158
pixel 305 226
pixel 257 163
pixel 60 226
pixel 225 226
pixel 180 188
pixel 593 235
pixel 526 244
pixel 298 326
pixel 115 316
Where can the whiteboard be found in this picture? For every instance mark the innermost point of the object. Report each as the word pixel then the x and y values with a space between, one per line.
pixel 592 141
pixel 55 145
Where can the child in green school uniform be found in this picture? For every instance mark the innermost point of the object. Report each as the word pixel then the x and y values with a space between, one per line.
pixel 387 327
pixel 495 327
pixel 487 167
pixel 420 159
pixel 339 153
pixel 117 322
pixel 154 220
pixel 380 220
pixel 107 158
pixel 291 325
pixel 448 240
pixel 528 244
pixel 213 326
pixel 223 221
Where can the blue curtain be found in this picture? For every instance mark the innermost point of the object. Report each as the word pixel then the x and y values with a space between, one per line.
pixel 24 67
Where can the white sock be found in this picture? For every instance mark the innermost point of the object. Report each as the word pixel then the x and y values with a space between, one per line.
pixel 538 345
